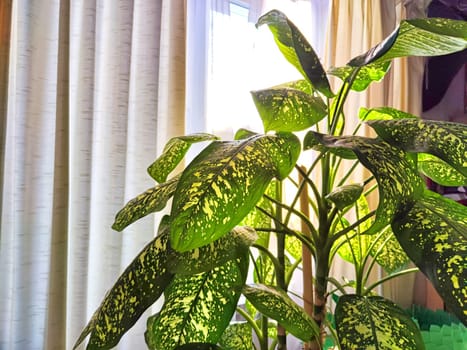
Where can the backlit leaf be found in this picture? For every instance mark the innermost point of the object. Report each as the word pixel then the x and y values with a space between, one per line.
pixel 418 37
pixel 173 153
pixel 398 181
pixel 375 323
pixel 365 76
pixel 391 257
pixel 205 258
pixel 434 235
pixel 296 50
pixel 198 308
pixel 154 199
pixel 445 140
pixel 383 113
pixel 288 109
pixel 139 286
pixel 237 336
pixel 276 304
pixel 439 171
pixel 224 182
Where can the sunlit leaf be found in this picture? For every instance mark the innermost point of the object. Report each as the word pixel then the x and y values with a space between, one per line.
pixel 205 258
pixel 398 181
pixel 418 37
pixel 276 304
pixel 439 171
pixel 302 85
pixel 296 50
pixel 366 75
pixel 198 308
pixel 153 200
pixel 293 246
pixel 383 113
pixel 237 336
pixel 445 140
pixel 139 286
pixel 224 182
pixel 345 195
pixel 434 235
pixel 391 257
pixel 173 153
pixel 375 323
pixel 288 109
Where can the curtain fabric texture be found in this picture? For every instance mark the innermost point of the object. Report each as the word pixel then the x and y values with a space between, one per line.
pixel 90 92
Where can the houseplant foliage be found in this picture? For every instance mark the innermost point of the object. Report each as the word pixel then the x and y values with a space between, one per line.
pixel 228 202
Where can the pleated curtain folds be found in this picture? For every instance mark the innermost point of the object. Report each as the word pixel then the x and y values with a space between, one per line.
pixel 90 91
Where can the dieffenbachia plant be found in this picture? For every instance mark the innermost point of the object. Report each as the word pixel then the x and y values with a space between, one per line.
pixel 228 201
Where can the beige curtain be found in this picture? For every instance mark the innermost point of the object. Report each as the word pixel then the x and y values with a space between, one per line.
pixel 354 27
pixel 89 93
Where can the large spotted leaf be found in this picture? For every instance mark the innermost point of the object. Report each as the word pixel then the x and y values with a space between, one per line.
pixel 276 304
pixel 365 76
pixel 173 153
pixel 398 181
pixel 139 286
pixel 375 323
pixel 383 113
pixel 434 234
pixel 445 140
pixel 388 252
pixel 150 201
pixel 297 50
pixel 198 308
pixel 230 246
pixel 288 109
pixel 224 182
pixel 440 171
pixel 418 37
pixel 238 336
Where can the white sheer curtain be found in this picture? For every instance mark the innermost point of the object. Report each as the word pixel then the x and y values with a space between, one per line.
pixel 90 90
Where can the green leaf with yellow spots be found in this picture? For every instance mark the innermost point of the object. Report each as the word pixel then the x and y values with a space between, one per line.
pixel 440 171
pixel 383 113
pixel 205 258
pixel 346 195
pixel 296 50
pixel 150 201
pixel 365 76
pixel 237 336
pixel 434 235
pixel 444 140
pixel 418 37
pixel 313 140
pixel 388 252
pixel 276 304
pixel 173 153
pixel 288 109
pixel 375 323
pixel 139 286
pixel 224 182
pixel 398 181
pixel 198 308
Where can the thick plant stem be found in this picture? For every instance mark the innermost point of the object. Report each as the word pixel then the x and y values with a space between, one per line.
pixel 280 273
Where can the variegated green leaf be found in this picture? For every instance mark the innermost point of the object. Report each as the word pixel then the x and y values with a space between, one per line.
pixel 313 141
pixel 398 181
pixel 243 134
pixel 237 336
pixel 296 50
pixel 276 304
pixel 389 253
pixel 365 76
pixel 198 308
pixel 302 85
pixel 224 183
pixel 173 153
pixel 154 199
pixel 439 171
pixel 445 140
pixel 293 246
pixel 375 323
pixel 434 235
pixel 383 113
pixel 418 37
pixel 228 247
pixel 139 286
pixel 288 109
pixel 345 195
